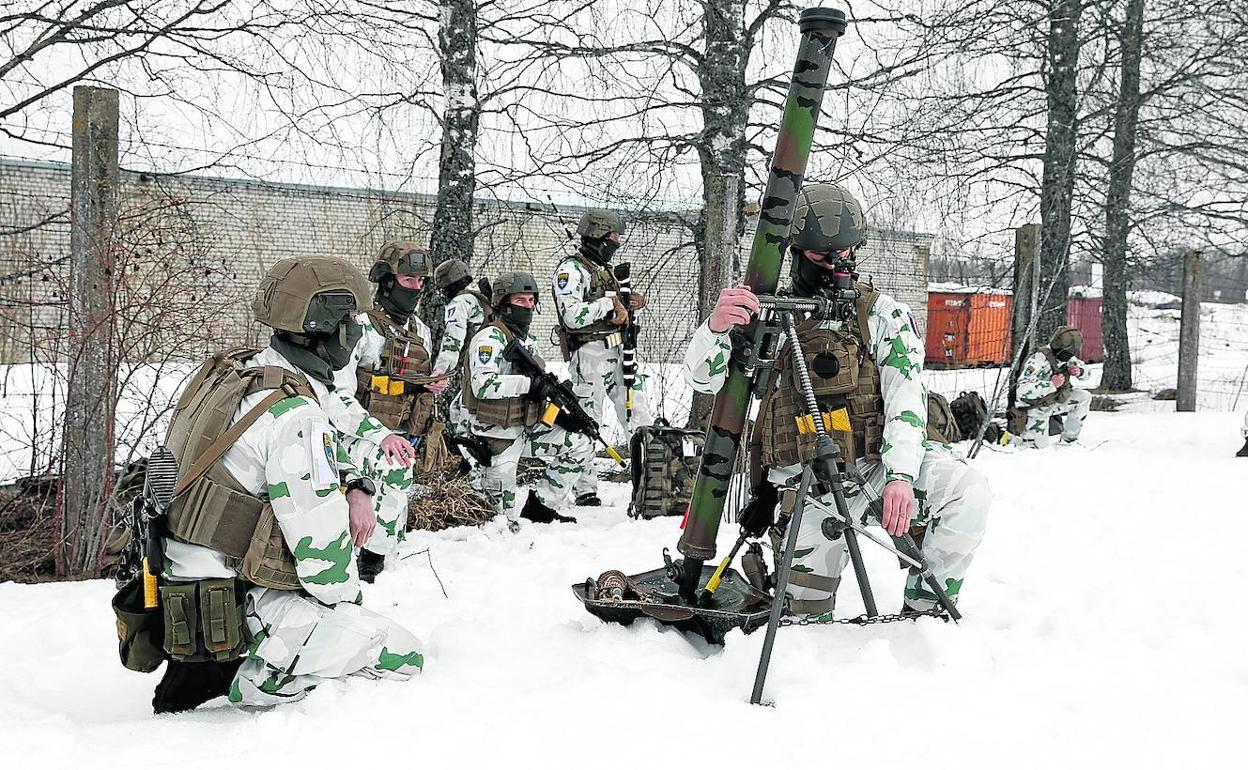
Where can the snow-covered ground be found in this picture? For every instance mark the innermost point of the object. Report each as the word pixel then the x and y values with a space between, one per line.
pixel 1102 630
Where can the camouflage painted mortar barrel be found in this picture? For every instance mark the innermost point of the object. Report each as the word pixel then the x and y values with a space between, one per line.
pixel 820 29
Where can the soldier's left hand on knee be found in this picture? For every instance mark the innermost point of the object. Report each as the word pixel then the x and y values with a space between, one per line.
pixel 898 507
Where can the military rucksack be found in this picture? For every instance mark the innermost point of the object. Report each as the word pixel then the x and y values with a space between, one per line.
pixel 941 425
pixel 664 466
pixel 971 412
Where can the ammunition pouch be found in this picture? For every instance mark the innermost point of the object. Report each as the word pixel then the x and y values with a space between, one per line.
pixel 401 406
pixel 140 631
pixel 203 620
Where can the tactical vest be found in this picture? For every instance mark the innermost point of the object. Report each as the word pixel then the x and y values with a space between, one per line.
pixel 390 391
pixel 1062 394
pixel 601 280
pixel 486 308
pixel 850 401
pixel 210 507
pixel 503 412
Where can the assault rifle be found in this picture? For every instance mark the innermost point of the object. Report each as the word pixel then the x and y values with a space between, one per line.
pixel 623 276
pixel 564 408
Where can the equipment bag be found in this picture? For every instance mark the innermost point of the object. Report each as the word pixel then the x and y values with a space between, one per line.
pixel 664 466
pixel 971 412
pixel 941 425
pixel 140 631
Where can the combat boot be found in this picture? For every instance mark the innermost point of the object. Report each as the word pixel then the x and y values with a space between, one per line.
pixel 1243 452
pixel 370 564
pixel 589 499
pixel 185 686
pixel 539 513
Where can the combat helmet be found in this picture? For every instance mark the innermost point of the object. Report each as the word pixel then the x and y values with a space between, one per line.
pixel 451 272
pixel 827 218
pixel 309 295
pixel 514 282
pixel 1066 341
pixel 598 223
pixel 400 258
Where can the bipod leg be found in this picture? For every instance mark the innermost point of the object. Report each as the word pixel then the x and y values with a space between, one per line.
pixel 782 583
pixel 830 477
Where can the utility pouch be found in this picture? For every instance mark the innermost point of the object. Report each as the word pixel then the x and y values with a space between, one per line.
pixel 203 620
pixel 268 562
pixel 832 361
pixel 180 606
pixel 140 631
pixel 423 405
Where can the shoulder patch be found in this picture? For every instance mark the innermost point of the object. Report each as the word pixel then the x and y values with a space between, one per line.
pixel 562 280
pixel 324 455
pixel 485 353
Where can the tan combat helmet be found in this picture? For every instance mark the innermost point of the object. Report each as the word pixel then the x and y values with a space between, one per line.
pixel 285 294
pixel 400 258
pixel 827 218
pixel 450 272
pixel 511 283
pixel 1066 339
pixel 598 223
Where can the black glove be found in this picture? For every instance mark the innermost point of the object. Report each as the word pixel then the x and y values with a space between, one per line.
pixel 760 512
pixel 539 389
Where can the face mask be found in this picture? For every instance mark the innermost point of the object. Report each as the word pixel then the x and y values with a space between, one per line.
pixel 336 348
pixel 517 319
pixel 1063 354
pixel 397 300
pixel 600 250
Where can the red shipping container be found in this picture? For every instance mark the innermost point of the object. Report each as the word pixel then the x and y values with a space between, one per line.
pixel 968 329
pixel 1084 313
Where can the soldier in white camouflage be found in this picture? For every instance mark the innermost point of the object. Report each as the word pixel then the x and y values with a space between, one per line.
pixel 505 408
pixel 1243 451
pixel 467 310
pixel 591 317
pixel 868 382
pixel 291 457
pixel 1048 388
pixel 384 398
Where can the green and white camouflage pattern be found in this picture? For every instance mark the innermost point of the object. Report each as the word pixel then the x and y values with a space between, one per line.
pixel 1035 382
pixel 596 371
pixel 897 351
pixel 565 454
pixel 463 312
pixel 293 456
pixel 952 498
pixel 361 438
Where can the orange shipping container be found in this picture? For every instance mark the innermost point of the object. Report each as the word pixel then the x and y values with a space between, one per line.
pixel 968 329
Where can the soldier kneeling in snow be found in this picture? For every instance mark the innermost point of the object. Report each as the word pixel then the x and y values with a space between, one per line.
pixel 868 385
pixel 1047 387
pixel 260 592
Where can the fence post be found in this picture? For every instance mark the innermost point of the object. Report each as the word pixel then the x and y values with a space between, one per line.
pixel 1189 333
pixel 1026 297
pixel 87 453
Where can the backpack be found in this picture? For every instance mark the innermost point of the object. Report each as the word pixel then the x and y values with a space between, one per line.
pixel 971 411
pixel 664 466
pixel 941 425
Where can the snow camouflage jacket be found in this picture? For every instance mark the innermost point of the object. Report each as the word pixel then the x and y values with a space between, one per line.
pixel 490 377
pixel 292 456
pixel 897 351
pixel 577 310
pixel 464 313
pixel 349 384
pixel 1035 383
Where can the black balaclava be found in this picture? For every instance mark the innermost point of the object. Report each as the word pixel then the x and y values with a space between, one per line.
pixel 599 250
pixel 811 280
pixel 452 291
pixel 516 318
pixel 398 301
pixel 1063 354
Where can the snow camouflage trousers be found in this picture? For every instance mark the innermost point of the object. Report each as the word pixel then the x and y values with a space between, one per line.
pixel 597 372
pixel 951 498
pixel 1072 412
pixel 393 484
pixel 565 456
pixel 297 643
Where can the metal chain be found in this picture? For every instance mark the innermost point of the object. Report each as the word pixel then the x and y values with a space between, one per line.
pixel 862 620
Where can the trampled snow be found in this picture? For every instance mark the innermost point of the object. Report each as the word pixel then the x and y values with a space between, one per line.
pixel 1103 629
